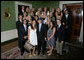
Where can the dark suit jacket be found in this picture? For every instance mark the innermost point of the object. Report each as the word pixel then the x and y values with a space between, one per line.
pixel 42 34
pixel 18 25
pixel 59 33
pixel 24 33
pixel 67 21
pixel 63 11
pixel 20 12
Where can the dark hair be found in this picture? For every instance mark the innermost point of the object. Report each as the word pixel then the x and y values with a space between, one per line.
pixel 64 4
pixel 37 17
pixel 32 25
pixel 24 19
pixel 53 24
pixel 66 10
pixel 20 15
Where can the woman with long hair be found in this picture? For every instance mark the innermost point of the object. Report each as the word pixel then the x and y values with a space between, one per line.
pixel 51 38
pixel 58 13
pixel 32 36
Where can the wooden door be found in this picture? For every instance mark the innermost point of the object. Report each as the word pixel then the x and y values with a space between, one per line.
pixel 77 13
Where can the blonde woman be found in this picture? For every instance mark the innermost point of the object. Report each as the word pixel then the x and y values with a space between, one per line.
pixel 58 13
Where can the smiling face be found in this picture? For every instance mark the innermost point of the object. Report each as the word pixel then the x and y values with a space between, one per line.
pixel 25 14
pixel 23 7
pixel 20 17
pixel 58 9
pixel 66 12
pixel 64 6
pixel 33 9
pixel 40 9
pixel 27 9
pixel 39 21
pixel 34 22
pixel 53 9
pixel 45 9
pixel 31 13
pixel 24 22
pixel 58 22
pixel 36 17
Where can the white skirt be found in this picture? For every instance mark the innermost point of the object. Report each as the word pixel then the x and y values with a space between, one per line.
pixel 33 37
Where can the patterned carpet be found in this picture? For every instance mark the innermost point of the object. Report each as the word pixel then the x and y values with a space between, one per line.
pixel 15 54
pixel 74 53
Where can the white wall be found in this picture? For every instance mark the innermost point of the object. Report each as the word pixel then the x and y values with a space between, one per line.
pixel 69 2
pixel 7 35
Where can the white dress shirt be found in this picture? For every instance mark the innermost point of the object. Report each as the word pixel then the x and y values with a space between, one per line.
pixel 25 27
pixel 40 26
pixel 66 16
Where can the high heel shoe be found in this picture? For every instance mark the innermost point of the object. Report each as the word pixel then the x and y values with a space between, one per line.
pixel 34 54
pixel 30 55
pixel 49 54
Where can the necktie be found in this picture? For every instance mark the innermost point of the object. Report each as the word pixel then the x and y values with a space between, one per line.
pixel 25 27
pixel 39 27
pixel 58 27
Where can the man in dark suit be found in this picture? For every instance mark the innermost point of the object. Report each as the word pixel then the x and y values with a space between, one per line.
pixel 22 33
pixel 25 30
pixel 19 22
pixel 64 8
pixel 66 20
pixel 21 11
pixel 59 37
pixel 41 34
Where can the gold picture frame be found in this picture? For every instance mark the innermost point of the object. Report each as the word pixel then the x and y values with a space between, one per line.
pixel 7 14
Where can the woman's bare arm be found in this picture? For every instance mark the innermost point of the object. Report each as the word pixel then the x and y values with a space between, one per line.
pixel 28 34
pixel 54 29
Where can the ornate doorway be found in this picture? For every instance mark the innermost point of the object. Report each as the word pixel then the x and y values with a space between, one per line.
pixel 77 14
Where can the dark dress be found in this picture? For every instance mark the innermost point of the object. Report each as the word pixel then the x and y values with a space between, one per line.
pixel 51 42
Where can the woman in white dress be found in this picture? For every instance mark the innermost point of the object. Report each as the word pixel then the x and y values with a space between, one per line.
pixel 32 36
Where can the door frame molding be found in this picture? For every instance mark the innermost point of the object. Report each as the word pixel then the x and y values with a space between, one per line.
pixel 20 3
pixel 69 2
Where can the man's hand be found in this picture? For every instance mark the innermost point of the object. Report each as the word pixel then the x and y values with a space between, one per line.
pixel 28 40
pixel 25 37
pixel 62 42
pixel 66 27
pixel 45 38
pixel 63 23
pixel 48 38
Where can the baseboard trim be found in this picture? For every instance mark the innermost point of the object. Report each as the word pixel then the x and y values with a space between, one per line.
pixel 8 35
pixel 9 41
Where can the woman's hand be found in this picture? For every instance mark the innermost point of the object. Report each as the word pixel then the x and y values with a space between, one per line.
pixel 48 38
pixel 28 40
pixel 62 42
